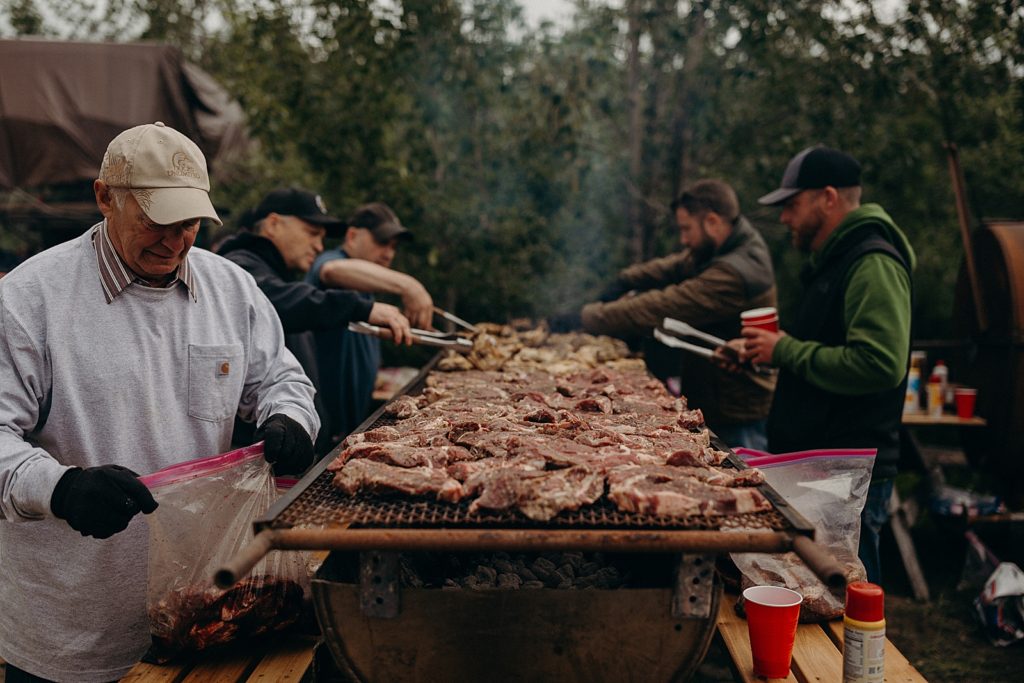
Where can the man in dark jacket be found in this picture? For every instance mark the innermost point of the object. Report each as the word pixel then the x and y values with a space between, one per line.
pixel 723 270
pixel 843 360
pixel 286 234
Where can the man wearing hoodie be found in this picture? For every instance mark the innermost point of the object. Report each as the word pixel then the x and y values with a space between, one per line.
pixel 285 235
pixel 843 360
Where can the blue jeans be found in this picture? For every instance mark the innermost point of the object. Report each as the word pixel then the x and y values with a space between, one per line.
pixel 872 518
pixel 748 434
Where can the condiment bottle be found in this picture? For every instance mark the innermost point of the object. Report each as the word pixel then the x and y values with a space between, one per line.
pixel 912 400
pixel 936 393
pixel 864 634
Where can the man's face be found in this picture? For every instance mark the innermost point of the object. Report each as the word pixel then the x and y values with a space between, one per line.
pixel 804 217
pixel 360 243
pixel 298 241
pixel 150 250
pixel 693 235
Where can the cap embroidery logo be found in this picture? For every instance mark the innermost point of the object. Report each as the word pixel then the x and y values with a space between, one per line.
pixel 144 198
pixel 183 166
pixel 116 170
pixel 320 205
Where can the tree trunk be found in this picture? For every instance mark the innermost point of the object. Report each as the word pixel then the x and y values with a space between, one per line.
pixel 634 208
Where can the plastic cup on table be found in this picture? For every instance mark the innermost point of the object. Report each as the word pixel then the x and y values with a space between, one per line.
pixel 772 615
pixel 761 318
pixel 965 398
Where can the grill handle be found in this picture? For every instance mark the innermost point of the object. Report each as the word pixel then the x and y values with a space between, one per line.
pixel 819 561
pixel 242 563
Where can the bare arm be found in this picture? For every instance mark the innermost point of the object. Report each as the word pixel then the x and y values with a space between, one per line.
pixel 366 276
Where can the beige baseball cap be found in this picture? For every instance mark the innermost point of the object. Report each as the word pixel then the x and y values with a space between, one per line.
pixel 165 171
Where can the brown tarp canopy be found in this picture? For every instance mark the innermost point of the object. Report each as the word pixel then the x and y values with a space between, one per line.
pixel 62 102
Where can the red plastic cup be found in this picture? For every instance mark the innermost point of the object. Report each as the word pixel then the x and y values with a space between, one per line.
pixel 761 318
pixel 965 398
pixel 772 615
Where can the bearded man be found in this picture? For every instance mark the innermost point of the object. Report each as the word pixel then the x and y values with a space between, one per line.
pixel 723 269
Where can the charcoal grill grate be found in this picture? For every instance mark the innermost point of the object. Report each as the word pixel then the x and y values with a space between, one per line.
pixel 323 505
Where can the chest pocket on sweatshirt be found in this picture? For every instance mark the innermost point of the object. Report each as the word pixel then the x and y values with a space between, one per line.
pixel 215 378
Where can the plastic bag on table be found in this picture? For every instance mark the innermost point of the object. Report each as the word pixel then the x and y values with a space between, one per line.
pixel 1001 605
pixel 206 514
pixel 827 487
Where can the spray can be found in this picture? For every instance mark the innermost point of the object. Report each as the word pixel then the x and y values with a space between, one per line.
pixel 912 400
pixel 864 634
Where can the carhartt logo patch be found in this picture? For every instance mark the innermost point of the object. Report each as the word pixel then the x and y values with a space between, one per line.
pixel 183 166
pixel 224 369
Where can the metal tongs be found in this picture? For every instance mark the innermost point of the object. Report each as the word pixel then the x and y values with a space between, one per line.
pixel 452 318
pixel 686 330
pixel 424 337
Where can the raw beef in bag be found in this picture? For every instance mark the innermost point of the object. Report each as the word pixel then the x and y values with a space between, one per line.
pixel 206 514
pixel 827 487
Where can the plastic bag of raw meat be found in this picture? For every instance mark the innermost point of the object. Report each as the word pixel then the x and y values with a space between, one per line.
pixel 206 513
pixel 827 487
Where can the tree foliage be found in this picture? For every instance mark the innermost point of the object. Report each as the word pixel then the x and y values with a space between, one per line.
pixel 533 162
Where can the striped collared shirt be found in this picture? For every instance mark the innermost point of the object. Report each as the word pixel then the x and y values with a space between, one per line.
pixel 115 275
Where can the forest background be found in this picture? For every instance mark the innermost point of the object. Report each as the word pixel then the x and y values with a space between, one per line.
pixel 534 162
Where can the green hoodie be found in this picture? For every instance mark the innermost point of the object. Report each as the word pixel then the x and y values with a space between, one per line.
pixel 877 318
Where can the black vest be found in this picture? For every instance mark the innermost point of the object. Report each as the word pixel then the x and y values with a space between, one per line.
pixel 804 417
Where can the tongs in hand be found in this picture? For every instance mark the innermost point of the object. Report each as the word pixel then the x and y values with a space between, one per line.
pixel 424 337
pixel 452 318
pixel 686 330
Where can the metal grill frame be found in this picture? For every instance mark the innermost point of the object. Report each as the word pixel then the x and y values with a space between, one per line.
pixel 406 516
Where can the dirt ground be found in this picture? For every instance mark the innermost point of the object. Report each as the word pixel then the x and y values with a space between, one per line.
pixel 943 637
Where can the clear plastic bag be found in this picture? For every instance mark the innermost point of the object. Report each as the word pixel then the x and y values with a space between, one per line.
pixel 206 513
pixel 827 487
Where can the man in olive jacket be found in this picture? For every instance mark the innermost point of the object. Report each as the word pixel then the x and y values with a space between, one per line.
pixel 723 270
pixel 843 360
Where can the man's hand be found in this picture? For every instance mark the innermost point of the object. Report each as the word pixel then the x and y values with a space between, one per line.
pixel 100 501
pixel 286 444
pixel 565 322
pixel 759 345
pixel 728 357
pixel 389 316
pixel 418 305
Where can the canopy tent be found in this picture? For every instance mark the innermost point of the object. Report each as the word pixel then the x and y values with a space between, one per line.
pixel 62 102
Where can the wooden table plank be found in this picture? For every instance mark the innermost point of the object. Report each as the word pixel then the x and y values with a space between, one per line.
pixel 225 666
pixel 815 657
pixel 155 673
pixel 898 668
pixel 288 663
pixel 948 420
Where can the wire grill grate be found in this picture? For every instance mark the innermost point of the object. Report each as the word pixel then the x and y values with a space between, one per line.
pixel 322 505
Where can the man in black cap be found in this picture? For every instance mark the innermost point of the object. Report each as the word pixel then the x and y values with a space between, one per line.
pixel 843 360
pixel 349 362
pixel 286 233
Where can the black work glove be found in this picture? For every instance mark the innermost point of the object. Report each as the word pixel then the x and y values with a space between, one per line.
pixel 100 501
pixel 613 291
pixel 285 444
pixel 565 322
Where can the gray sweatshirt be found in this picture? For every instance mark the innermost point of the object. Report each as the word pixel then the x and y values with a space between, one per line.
pixel 149 380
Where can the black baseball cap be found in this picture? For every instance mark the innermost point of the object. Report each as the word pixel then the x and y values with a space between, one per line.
pixel 812 169
pixel 381 221
pixel 294 201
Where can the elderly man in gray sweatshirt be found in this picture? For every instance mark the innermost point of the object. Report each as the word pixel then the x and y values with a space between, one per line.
pixel 123 351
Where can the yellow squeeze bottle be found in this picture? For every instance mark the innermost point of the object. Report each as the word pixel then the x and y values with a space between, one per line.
pixel 864 634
